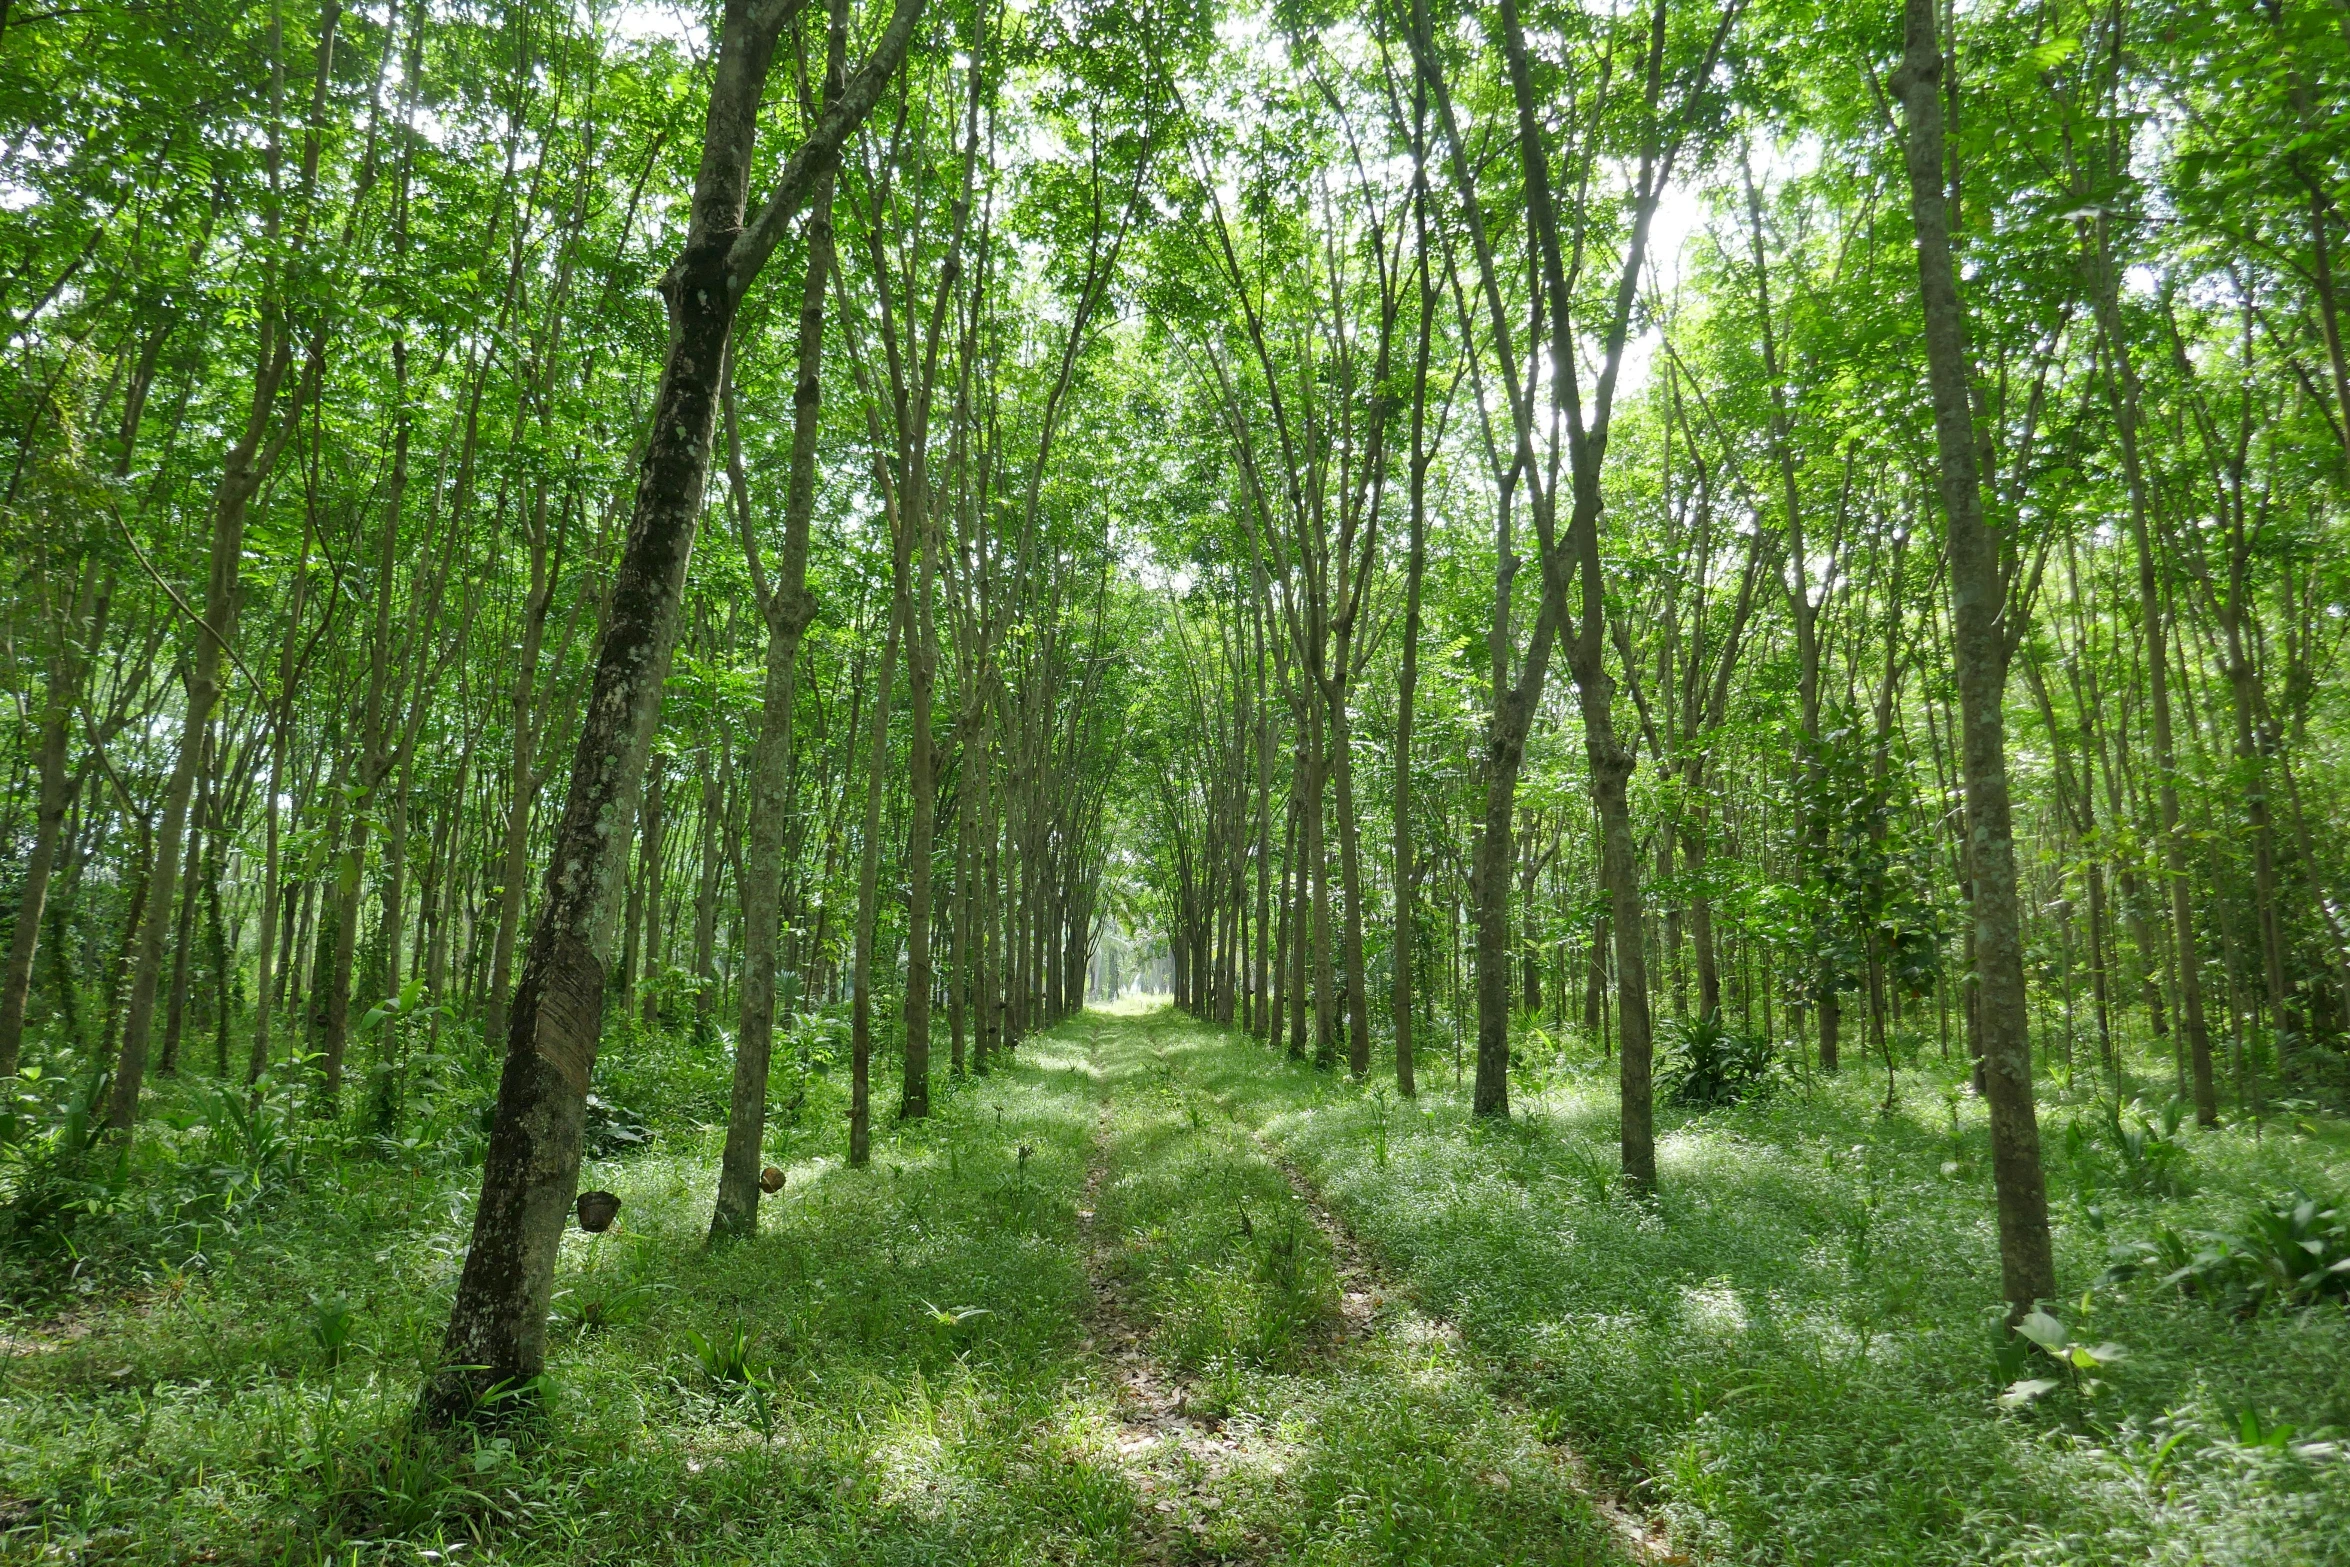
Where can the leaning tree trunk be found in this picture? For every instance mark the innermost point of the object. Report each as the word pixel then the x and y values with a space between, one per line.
pixel 1978 605
pixel 497 1327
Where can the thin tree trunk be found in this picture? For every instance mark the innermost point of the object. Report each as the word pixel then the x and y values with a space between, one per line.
pixel 1350 873
pixel 1978 612
pixel 649 968
pixel 869 873
pixel 788 611
pixel 175 1008
pixel 2123 389
pixel 67 659
pixel 713 803
pixel 1317 857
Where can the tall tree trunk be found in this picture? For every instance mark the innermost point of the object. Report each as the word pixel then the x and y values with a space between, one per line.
pixel 497 1325
pixel 788 609
pixel 175 1007
pixel 713 803
pixel 67 659
pixel 246 466
pixel 1506 731
pixel 335 1008
pixel 1262 955
pixel 1403 939
pixel 274 892
pixel 655 830
pixel 522 775
pixel 1701 923
pixel 1978 612
pixel 2126 403
pixel 869 871
pixel 1350 872
pixel 1317 855
pixel 921 834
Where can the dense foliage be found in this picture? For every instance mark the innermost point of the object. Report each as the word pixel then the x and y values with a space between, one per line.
pixel 1733 613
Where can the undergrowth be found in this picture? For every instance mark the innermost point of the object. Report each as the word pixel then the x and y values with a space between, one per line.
pixel 1793 1349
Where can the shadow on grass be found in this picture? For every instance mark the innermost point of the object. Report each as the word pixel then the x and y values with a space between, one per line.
pixel 1791 1347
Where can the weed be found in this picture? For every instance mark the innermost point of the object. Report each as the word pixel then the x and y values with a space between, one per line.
pixel 2291 1250
pixel 332 1327
pixel 2075 1360
pixel 583 1312
pixel 1707 1062
pixel 725 1357
pixel 2141 1153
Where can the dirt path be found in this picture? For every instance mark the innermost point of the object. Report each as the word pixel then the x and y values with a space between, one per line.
pixel 1174 1452
pixel 1275 1396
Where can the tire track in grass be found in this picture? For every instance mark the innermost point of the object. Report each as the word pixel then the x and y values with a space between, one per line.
pixel 1372 1301
pixel 1172 1453
pixel 1277 1399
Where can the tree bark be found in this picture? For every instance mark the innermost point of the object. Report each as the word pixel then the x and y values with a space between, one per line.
pixel 1402 940
pixel 2122 386
pixel 522 773
pixel 67 660
pixel 1978 610
pixel 649 969
pixel 496 1337
pixel 788 610
pixel 713 804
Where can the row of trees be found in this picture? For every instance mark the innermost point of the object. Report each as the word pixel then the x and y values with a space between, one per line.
pixel 382 646
pixel 1184 434
pixel 1941 548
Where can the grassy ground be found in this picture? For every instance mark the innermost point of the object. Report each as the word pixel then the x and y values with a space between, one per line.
pixel 1790 1352
pixel 1093 1312
pixel 1079 1316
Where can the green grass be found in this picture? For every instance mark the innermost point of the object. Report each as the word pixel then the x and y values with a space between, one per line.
pixel 1386 1446
pixel 1788 1353
pixel 1791 1350
pixel 197 1416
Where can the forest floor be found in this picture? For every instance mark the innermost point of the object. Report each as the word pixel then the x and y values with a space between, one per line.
pixel 1153 1294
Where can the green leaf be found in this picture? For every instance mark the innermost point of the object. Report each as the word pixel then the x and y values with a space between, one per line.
pixel 2050 55
pixel 2045 1331
pixel 2021 1393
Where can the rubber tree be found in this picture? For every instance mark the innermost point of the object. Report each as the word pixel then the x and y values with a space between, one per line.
pixel 1981 647
pixel 496 1338
pixel 787 608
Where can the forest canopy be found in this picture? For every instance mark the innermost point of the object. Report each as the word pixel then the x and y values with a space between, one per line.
pixel 1669 630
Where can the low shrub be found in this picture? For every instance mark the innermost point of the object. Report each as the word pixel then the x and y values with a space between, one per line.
pixel 2291 1250
pixel 1707 1062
